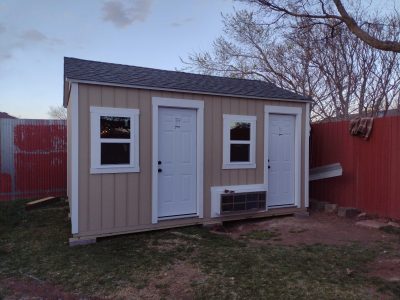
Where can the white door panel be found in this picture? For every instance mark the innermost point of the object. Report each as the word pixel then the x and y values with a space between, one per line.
pixel 281 140
pixel 177 157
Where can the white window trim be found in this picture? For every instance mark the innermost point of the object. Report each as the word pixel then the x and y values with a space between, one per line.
pixel 95 165
pixel 227 120
pixel 158 102
pixel 297 112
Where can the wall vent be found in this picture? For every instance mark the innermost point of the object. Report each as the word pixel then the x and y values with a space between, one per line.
pixel 242 202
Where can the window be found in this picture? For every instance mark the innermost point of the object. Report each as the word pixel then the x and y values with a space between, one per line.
pixel 239 142
pixel 114 140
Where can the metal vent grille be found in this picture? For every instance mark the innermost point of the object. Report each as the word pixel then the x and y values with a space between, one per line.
pixel 241 202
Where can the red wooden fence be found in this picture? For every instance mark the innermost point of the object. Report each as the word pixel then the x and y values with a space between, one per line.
pixel 33 158
pixel 371 169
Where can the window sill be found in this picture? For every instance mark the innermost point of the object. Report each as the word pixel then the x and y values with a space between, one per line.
pixel 238 166
pixel 114 170
pixel 189 216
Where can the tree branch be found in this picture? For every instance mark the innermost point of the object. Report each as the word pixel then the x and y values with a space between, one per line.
pixel 343 16
pixel 362 34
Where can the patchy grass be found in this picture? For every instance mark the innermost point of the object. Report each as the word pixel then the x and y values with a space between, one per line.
pixel 34 245
pixel 262 235
pixel 391 230
pixel 11 214
pixel 392 288
pixel 300 230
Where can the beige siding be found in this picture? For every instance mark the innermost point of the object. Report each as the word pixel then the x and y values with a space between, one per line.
pixel 111 203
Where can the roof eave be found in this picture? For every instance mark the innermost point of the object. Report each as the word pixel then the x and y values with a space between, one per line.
pixel 71 80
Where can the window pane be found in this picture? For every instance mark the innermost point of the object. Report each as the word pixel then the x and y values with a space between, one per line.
pixel 114 153
pixel 240 152
pixel 240 131
pixel 115 127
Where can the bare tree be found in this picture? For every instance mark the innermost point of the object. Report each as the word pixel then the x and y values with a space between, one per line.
pixel 57 112
pixel 360 79
pixel 331 13
pixel 340 72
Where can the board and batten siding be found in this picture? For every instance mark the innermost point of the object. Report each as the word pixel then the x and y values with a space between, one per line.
pixel 111 203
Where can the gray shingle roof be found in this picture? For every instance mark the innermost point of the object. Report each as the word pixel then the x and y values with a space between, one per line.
pixel 4 115
pixel 100 72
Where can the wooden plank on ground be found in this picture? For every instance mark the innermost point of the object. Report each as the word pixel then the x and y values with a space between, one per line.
pixel 40 202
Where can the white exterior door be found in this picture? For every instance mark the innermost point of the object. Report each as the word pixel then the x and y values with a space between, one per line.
pixel 281 160
pixel 176 162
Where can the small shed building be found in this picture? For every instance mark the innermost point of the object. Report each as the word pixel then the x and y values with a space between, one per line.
pixel 151 149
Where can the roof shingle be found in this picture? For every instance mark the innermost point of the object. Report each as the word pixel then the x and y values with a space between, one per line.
pixel 100 72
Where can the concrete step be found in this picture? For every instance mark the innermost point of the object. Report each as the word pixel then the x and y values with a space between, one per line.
pixel 331 208
pixel 348 212
pixel 371 224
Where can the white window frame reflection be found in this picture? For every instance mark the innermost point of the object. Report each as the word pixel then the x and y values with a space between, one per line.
pixel 227 121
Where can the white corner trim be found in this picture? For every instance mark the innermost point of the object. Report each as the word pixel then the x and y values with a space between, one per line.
pixel 216 192
pixel 297 112
pixel 307 158
pixel 226 163
pixel 154 174
pixel 158 102
pixel 95 141
pixel 74 175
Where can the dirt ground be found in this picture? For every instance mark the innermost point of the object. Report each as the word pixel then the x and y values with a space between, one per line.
pixel 319 228
pixel 178 279
pixel 34 289
pixel 173 283
pixel 387 269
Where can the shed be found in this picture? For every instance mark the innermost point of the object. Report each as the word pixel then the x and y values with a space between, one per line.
pixel 151 149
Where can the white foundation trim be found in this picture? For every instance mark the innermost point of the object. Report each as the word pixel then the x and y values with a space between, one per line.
pixel 74 176
pixel 297 112
pixel 198 105
pixel 216 192
pixel 307 158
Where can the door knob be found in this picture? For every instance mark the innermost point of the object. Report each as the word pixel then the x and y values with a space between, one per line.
pixel 159 162
pixel 159 170
pixel 269 167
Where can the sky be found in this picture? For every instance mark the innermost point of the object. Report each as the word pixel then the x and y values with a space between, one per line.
pixel 35 35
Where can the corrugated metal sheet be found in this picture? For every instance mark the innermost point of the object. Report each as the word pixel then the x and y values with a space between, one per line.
pixel 33 158
pixel 371 169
